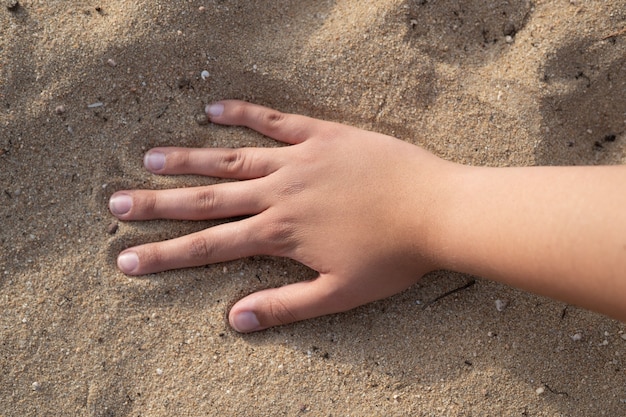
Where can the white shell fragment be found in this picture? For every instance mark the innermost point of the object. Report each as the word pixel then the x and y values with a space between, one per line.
pixel 204 74
pixel 501 304
pixel 94 105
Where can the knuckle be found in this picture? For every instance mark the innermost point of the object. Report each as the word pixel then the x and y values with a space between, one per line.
pixel 178 159
pixel 291 188
pixel 232 161
pixel 272 119
pixel 239 112
pixel 151 257
pixel 279 312
pixel 200 248
pixel 147 202
pixel 151 202
pixel 281 235
pixel 205 200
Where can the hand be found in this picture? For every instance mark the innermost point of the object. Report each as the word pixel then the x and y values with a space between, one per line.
pixel 357 207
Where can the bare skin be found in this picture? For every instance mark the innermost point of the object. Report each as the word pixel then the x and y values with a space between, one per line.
pixel 373 214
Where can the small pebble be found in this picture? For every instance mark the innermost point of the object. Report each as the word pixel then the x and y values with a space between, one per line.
pixel 60 109
pixel 623 336
pixel 202 119
pixel 508 39
pixel 576 337
pixel 201 9
pixel 111 62
pixel 540 390
pixel 159 371
pixel 112 228
pixel 509 29
pixel 36 386
pixel 204 74
pixel 183 83
pixel 501 304
pixel 94 105
pixel 12 5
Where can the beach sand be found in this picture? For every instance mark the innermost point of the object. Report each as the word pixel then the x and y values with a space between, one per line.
pixel 86 87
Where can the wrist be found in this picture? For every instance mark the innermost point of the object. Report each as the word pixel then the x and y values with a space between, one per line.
pixel 435 207
pixel 450 197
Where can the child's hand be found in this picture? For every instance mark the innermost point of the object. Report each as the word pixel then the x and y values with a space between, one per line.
pixel 356 206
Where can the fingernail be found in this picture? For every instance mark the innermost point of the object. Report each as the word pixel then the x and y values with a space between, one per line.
pixel 245 322
pixel 154 161
pixel 127 262
pixel 120 204
pixel 214 110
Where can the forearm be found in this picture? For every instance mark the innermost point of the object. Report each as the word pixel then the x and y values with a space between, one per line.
pixel 556 231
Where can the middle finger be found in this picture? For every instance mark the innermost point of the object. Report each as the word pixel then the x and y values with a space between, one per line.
pixel 194 203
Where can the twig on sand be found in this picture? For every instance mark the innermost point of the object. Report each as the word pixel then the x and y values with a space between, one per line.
pixel 614 34
pixel 461 288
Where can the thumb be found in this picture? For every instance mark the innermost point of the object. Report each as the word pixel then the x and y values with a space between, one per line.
pixel 293 302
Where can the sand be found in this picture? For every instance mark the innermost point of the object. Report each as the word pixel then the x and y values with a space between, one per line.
pixel 86 87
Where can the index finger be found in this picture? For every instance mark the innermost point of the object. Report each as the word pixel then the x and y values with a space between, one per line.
pixel 288 128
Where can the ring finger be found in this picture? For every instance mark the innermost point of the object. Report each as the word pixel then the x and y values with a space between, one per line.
pixel 221 243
